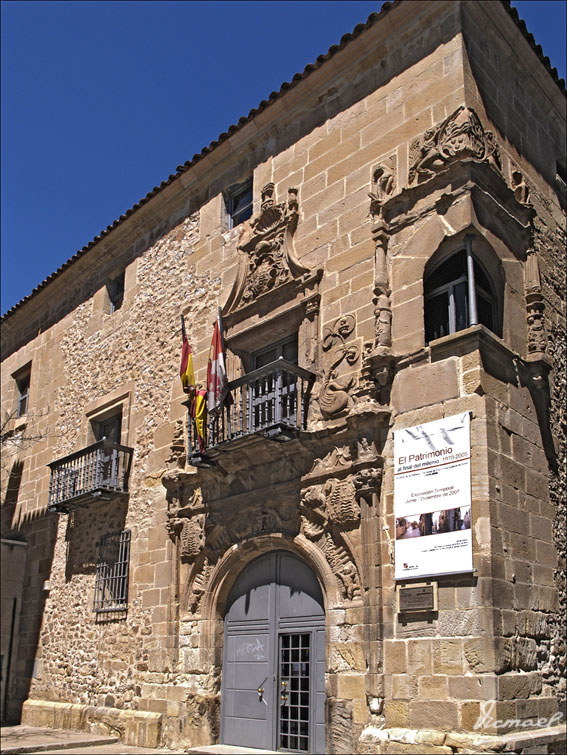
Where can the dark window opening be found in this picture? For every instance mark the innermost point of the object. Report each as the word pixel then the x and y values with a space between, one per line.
pixel 239 203
pixel 286 349
pixel 116 292
pixel 23 386
pixel 458 293
pixel 109 428
pixel 111 582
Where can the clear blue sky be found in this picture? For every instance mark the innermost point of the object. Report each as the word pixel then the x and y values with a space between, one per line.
pixel 101 101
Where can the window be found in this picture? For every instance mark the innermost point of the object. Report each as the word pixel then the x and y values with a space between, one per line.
pixel 458 294
pixel 111 582
pixel 23 388
pixel 116 292
pixel 286 349
pixel 239 203
pixel 274 394
pixel 109 427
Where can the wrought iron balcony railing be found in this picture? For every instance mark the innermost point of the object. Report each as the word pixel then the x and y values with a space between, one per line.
pixel 272 400
pixel 98 471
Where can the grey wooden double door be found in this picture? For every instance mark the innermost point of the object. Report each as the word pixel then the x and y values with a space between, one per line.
pixel 273 683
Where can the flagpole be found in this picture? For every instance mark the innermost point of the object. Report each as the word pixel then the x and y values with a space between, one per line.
pixel 222 332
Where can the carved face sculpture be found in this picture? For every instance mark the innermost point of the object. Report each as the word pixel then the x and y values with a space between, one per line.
pixel 383 374
pixel 343 327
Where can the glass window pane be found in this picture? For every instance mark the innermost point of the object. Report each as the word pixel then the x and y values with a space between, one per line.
pixel 449 272
pixel 289 351
pixel 436 317
pixel 265 357
pixel 461 306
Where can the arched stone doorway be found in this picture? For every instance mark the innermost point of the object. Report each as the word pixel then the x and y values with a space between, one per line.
pixel 273 682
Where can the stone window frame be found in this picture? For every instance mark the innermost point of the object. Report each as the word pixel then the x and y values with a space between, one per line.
pixel 22 383
pixel 478 251
pixel 115 290
pixel 234 217
pixel 117 402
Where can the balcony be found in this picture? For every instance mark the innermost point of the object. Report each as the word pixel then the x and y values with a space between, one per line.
pixel 270 402
pixel 98 472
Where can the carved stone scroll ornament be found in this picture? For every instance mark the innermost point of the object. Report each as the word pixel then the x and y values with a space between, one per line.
pixel 333 396
pixel 461 136
pixel 266 246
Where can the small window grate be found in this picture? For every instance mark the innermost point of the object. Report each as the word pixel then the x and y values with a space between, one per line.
pixel 111 584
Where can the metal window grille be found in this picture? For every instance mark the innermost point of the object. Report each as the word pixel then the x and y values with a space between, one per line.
pixel 111 584
pixel 295 674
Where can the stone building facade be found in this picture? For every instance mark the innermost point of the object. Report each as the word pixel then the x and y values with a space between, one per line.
pixel 424 150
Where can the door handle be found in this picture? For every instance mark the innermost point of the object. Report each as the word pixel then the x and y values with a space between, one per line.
pixel 260 689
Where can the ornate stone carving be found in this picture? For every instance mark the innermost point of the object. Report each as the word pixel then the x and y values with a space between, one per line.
pixel 177 447
pixel 342 565
pixel 200 584
pixel 380 368
pixel 333 396
pixel 192 537
pixel 520 187
pixel 337 458
pixel 340 502
pixel 187 523
pixel 461 136
pixel 383 184
pixel 246 523
pixel 535 306
pixel 266 247
pixel 337 501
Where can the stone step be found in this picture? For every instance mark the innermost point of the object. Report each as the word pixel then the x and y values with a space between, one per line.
pixel 24 739
pixel 228 750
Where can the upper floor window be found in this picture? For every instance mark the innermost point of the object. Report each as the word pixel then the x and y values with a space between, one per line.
pixel 239 203
pixel 286 349
pixel 23 387
pixel 458 293
pixel 116 292
pixel 110 427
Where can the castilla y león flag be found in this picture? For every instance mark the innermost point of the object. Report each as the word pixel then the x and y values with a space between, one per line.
pixel 217 385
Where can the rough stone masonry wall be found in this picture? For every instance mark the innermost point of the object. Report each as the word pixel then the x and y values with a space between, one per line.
pixel 119 663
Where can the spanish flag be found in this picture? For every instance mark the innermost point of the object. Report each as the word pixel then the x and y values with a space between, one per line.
pixel 186 372
pixel 198 412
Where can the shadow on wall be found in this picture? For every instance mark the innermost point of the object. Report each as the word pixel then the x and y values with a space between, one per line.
pixel 38 530
pixel 85 527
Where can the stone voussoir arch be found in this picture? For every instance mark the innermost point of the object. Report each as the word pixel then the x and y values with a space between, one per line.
pixel 238 556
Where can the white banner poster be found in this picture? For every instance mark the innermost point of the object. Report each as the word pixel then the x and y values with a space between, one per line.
pixel 432 498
